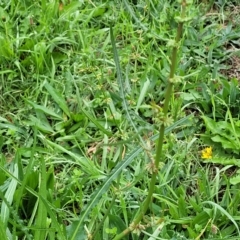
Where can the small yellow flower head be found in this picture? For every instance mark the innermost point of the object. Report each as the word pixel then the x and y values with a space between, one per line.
pixel 207 153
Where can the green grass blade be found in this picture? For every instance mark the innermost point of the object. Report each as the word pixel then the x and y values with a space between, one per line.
pixel 121 86
pixel 129 8
pixel 142 94
pixel 96 123
pixel 223 211
pixel 57 98
pixel 27 172
pixel 41 219
pixel 43 109
pixel 89 116
pixel 87 165
pixel 77 228
pixel 40 125
pixel 12 128
pixel 3 231
pixel 156 233
pixel 9 196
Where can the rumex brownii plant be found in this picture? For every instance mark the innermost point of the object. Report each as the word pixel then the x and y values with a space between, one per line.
pixel 165 121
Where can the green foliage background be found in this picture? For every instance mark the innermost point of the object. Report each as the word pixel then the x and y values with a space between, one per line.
pixel 75 139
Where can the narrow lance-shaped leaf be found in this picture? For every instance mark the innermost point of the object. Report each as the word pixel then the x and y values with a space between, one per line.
pixel 121 86
pixel 43 109
pixel 9 196
pixel 89 116
pixel 57 97
pixel 224 212
pixel 41 220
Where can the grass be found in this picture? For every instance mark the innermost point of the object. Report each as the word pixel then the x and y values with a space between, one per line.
pixel 80 109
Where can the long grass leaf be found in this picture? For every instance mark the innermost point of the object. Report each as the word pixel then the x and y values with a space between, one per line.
pixel 89 116
pixel 57 97
pixel 26 174
pixel 87 165
pixel 42 126
pixel 12 127
pixel 3 231
pixel 9 196
pixel 121 86
pixel 43 109
pixel 142 94
pixel 41 219
pixel 129 8
pixel 223 211
pixel 96 123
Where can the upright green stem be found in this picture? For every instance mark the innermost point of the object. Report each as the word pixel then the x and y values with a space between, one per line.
pixel 144 207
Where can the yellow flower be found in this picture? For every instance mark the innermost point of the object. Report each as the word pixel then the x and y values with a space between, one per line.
pixel 207 153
